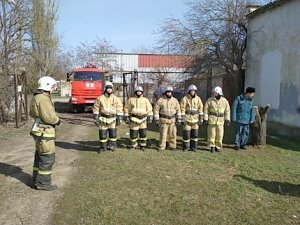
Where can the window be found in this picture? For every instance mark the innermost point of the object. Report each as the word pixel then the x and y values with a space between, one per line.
pixel 89 76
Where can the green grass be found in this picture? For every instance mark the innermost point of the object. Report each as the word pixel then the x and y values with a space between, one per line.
pixel 256 186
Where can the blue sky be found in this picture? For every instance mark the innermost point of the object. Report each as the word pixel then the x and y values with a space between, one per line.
pixel 127 24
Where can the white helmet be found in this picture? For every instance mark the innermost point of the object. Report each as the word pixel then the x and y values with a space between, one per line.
pixel 138 88
pixel 168 88
pixel 192 87
pixel 46 83
pixel 218 90
pixel 109 84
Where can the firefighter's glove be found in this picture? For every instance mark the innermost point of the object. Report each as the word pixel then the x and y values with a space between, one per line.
pixel 227 122
pixel 126 119
pixel 158 123
pixel 149 119
pixel 97 122
pixel 118 120
pixel 200 121
pixel 178 121
pixel 183 121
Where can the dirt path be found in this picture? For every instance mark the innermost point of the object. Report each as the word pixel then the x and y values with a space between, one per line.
pixel 19 203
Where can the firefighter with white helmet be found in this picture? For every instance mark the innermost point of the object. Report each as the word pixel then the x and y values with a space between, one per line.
pixel 216 113
pixel 108 113
pixel 166 114
pixel 192 116
pixel 43 132
pixel 137 113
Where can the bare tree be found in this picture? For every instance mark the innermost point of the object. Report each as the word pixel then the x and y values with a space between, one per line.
pixel 95 52
pixel 13 25
pixel 43 40
pixel 215 32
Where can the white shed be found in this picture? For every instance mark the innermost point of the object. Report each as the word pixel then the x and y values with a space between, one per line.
pixel 273 59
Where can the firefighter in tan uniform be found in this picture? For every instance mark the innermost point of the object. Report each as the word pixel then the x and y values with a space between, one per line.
pixel 108 113
pixel 43 132
pixel 137 113
pixel 216 112
pixel 192 116
pixel 166 114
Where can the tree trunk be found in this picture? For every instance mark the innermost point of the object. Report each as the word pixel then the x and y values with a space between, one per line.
pixel 258 129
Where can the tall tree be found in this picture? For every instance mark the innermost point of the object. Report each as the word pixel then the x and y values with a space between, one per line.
pixel 44 41
pixel 13 26
pixel 215 32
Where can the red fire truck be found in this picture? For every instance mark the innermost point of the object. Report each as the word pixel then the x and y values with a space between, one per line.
pixel 87 84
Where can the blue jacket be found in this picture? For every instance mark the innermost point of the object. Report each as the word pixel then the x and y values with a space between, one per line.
pixel 242 110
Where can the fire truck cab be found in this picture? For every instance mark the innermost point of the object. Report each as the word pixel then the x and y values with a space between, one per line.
pixel 87 84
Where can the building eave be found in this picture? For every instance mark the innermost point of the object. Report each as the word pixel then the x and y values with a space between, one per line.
pixel 267 7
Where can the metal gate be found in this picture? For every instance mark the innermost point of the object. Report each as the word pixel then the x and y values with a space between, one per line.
pixel 21 109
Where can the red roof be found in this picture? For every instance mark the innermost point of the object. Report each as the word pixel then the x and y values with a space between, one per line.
pixel 164 61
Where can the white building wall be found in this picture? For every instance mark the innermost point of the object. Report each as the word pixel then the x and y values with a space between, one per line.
pixel 123 62
pixel 273 61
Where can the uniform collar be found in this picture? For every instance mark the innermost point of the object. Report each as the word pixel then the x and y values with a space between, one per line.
pixel 107 95
pixel 190 97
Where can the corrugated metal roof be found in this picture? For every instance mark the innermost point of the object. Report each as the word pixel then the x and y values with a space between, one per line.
pixel 150 62
pixel 267 7
pixel 164 61
pixel 125 62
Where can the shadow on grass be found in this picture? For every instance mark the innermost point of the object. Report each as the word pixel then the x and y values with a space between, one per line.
pixel 86 146
pixel 283 142
pixel 275 187
pixel 79 119
pixel 15 172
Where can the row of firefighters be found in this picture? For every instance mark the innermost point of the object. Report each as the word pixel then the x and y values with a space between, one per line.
pixel 109 112
pixel 167 113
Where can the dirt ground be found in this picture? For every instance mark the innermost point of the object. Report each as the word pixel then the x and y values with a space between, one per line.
pixel 20 204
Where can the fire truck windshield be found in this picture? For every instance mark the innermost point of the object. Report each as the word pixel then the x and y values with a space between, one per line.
pixel 91 76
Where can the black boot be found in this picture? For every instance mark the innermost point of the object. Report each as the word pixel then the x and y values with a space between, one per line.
pixel 212 149
pixel 48 188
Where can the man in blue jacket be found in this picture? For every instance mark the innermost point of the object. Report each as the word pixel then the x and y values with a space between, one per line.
pixel 243 114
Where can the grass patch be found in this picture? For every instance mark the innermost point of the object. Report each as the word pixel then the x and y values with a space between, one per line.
pixel 256 186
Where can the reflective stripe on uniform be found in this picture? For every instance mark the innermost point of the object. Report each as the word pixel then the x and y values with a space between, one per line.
pixel 103 140
pixel 107 120
pixel 44 172
pixel 137 120
pixel 112 139
pixel 45 135
pixel 194 139
pixel 133 139
pixel 192 121
pixel 143 139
